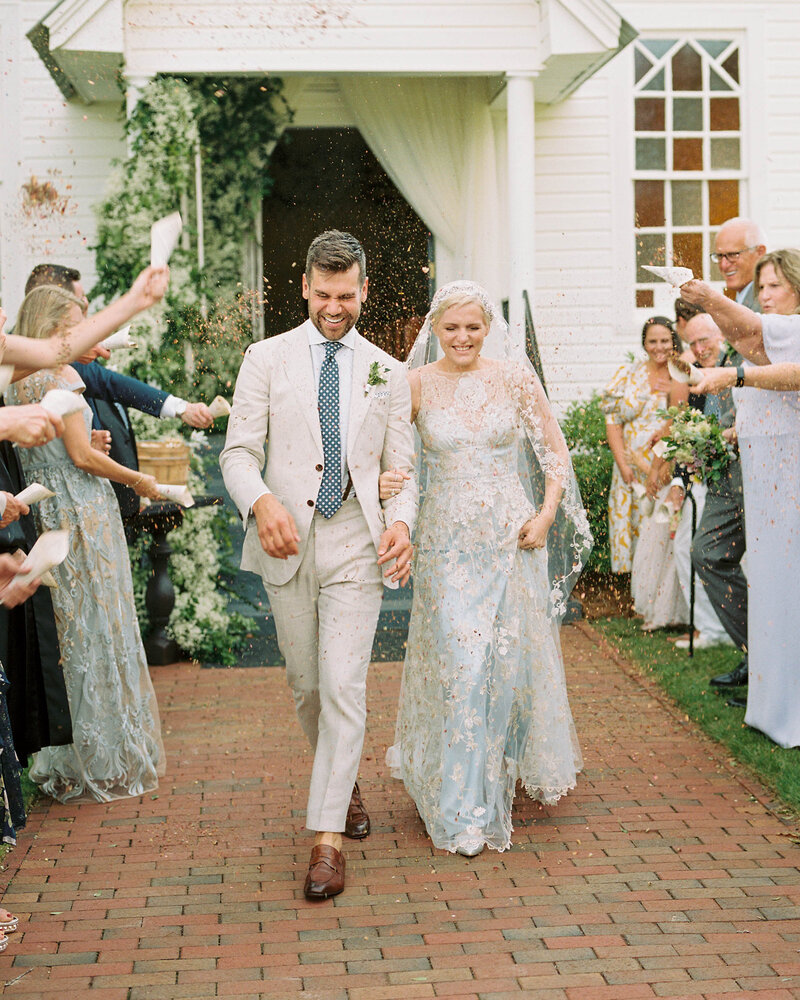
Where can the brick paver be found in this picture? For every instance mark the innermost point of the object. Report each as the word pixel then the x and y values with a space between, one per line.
pixel 661 875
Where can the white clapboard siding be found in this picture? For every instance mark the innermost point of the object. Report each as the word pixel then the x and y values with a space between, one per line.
pixel 66 142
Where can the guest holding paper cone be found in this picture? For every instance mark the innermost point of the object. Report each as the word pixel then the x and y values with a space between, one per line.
pixel 29 355
pixel 110 394
pixel 117 748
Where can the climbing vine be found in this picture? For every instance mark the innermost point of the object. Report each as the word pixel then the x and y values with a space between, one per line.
pixel 192 344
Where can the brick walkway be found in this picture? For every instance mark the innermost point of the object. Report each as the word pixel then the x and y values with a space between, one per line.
pixel 662 875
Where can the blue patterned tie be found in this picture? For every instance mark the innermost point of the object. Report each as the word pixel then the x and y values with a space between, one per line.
pixel 329 498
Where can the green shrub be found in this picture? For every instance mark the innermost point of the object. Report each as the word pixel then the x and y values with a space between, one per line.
pixel 584 427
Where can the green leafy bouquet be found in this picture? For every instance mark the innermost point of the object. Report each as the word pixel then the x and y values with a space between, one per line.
pixel 695 442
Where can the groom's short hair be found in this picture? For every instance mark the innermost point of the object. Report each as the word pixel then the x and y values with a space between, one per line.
pixel 335 251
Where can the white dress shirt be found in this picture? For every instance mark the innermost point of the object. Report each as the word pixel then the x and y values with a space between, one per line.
pixel 344 359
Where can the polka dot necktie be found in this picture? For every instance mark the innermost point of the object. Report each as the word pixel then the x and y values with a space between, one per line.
pixel 329 498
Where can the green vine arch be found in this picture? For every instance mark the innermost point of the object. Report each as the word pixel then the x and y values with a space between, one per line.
pixel 192 345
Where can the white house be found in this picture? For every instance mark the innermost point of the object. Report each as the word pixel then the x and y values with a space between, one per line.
pixel 550 146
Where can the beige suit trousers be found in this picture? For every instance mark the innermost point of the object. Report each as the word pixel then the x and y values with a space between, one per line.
pixel 325 617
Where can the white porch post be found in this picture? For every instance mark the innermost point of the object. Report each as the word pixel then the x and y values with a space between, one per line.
pixel 521 203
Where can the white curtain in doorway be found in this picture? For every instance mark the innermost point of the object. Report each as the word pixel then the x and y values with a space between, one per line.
pixel 434 137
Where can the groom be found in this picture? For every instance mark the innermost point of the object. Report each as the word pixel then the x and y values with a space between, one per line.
pixel 331 411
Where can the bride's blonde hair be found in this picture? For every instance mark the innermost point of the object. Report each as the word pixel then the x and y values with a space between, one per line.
pixel 44 311
pixel 458 298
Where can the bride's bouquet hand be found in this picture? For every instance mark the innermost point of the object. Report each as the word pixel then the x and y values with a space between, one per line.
pixel 533 533
pixel 390 483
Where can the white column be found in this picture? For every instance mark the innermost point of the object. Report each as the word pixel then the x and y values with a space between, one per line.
pixel 521 203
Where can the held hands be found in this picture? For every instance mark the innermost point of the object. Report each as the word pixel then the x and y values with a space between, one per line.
pixel 533 533
pixel 390 483
pixel 197 415
pixel 14 510
pixel 277 531
pixel 396 545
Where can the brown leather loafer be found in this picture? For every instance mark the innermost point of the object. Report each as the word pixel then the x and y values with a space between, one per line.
pixel 356 825
pixel 325 872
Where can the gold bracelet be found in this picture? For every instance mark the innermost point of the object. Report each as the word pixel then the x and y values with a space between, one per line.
pixel 138 481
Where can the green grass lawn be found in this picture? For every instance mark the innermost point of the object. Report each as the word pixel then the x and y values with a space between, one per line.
pixel 685 680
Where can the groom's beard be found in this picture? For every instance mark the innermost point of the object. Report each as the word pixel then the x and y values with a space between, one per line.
pixel 334 331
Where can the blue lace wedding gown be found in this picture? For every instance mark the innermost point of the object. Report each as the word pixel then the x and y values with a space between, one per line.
pixel 117 749
pixel 483 701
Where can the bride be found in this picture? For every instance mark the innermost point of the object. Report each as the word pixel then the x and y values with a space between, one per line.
pixel 501 537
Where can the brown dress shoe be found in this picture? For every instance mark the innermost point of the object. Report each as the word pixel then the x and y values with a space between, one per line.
pixel 356 826
pixel 325 872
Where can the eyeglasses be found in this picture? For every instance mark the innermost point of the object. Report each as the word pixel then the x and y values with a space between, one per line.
pixel 731 257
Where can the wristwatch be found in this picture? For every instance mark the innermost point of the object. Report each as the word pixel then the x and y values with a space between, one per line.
pixel 739 376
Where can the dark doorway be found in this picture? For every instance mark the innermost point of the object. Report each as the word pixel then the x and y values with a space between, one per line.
pixel 328 179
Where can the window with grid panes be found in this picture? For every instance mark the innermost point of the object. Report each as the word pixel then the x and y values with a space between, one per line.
pixel 688 155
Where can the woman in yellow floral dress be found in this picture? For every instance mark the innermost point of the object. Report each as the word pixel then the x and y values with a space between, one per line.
pixel 631 402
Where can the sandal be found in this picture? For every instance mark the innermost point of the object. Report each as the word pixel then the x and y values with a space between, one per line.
pixel 8 922
pixel 3 942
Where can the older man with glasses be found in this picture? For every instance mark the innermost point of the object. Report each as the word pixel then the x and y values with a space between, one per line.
pixel 719 543
pixel 739 246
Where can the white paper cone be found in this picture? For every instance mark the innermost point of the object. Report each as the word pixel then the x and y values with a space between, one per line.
pixel 62 402
pixel 659 448
pixel 178 494
pixel 647 506
pixel 676 276
pixel 682 371
pixel 164 238
pixel 6 372
pixel 219 407
pixel 119 339
pixel 638 489
pixel 50 550
pixel 34 493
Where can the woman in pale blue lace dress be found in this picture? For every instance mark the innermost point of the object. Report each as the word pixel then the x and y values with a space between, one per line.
pixel 483 702
pixel 117 749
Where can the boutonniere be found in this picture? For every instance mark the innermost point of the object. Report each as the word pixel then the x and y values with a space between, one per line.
pixel 377 376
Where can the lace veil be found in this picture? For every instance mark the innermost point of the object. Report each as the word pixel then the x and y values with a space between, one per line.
pixel 543 451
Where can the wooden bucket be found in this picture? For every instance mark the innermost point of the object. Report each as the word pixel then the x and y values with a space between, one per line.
pixel 168 461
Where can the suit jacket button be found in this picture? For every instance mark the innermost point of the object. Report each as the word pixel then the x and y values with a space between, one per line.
pixel 318 468
pixel 310 503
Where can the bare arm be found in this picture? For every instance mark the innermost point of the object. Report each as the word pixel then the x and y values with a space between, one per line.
pixel 740 325
pixel 783 377
pixel 617 445
pixel 50 352
pixel 97 463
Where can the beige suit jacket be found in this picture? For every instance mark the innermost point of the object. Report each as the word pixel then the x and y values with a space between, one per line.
pixel 274 429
